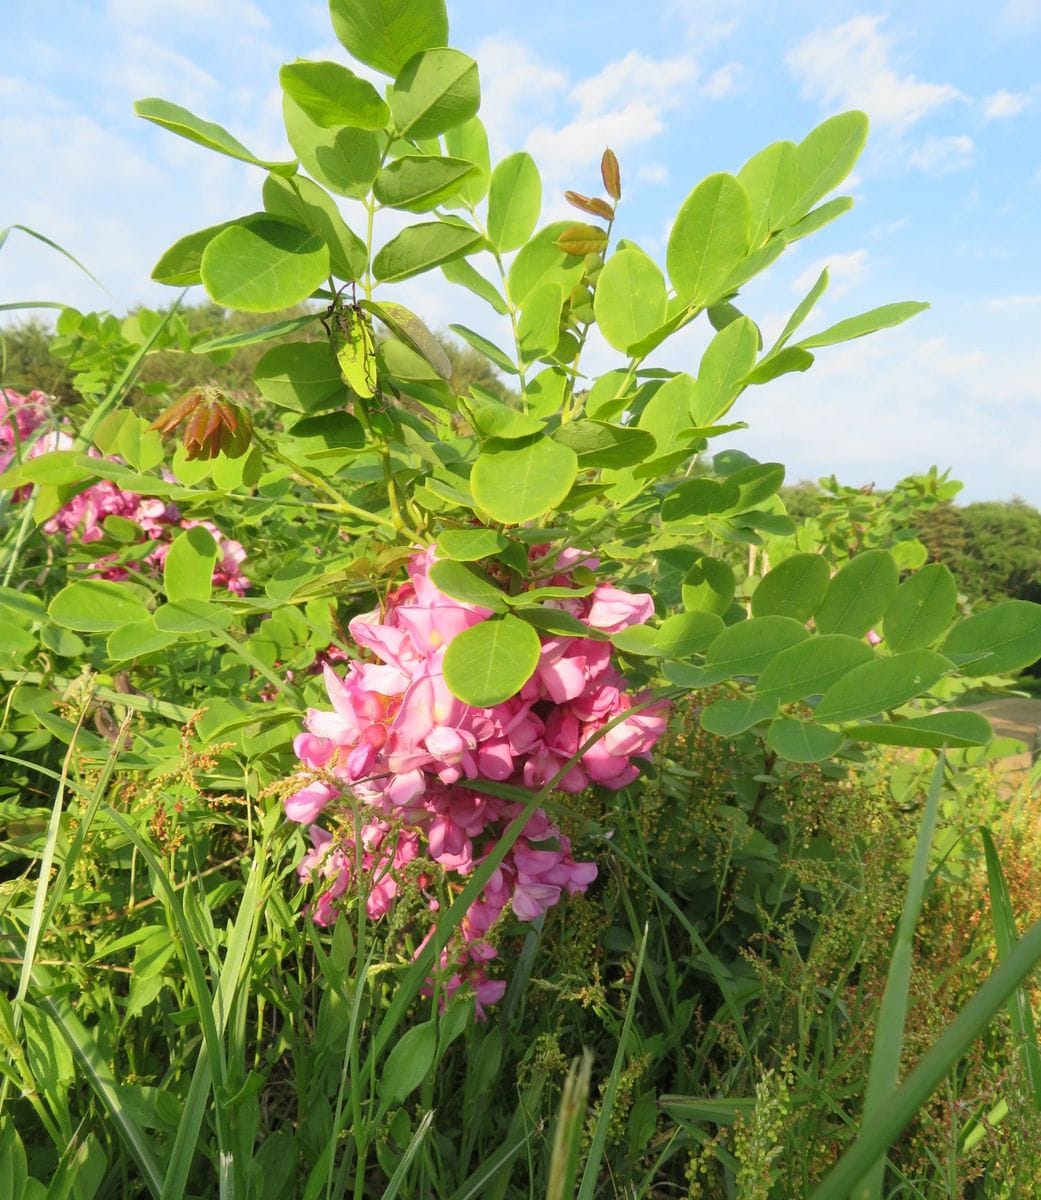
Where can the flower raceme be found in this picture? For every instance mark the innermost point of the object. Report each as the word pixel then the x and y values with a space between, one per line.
pixel 81 519
pixel 399 742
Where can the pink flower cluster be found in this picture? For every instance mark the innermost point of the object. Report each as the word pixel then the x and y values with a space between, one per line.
pixel 402 744
pixel 81 519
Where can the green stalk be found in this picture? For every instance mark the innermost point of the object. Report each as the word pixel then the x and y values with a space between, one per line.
pixel 889 1033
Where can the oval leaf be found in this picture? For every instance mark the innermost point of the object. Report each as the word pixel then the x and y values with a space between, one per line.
pixel 881 685
pixel 204 133
pixel 859 594
pixel 954 730
pixel 810 668
pixel 386 33
pixel 794 588
pixel 921 609
pixel 514 201
pixel 746 648
pixel 420 248
pixel 436 90
pixel 514 483
pixel 630 300
pixel 492 661
pixel 96 606
pixel 420 182
pixel 332 96
pixel 1004 638
pixel 264 266
pixel 710 236
pixel 188 567
pixel 802 741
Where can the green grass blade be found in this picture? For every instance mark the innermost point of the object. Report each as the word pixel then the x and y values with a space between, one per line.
pixel 40 908
pixel 900 1109
pixel 85 1050
pixel 587 1190
pixel 54 246
pixel 889 1032
pixel 492 1167
pixel 182 1153
pixel 567 1138
pixel 393 1188
pixel 1021 1013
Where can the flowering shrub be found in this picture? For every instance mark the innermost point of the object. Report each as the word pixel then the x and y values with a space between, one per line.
pixel 397 741
pixel 81 519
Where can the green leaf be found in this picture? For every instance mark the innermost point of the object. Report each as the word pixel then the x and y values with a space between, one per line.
pixel 492 661
pixel 802 741
pixel 599 444
pixel 811 667
pixel 555 622
pixel 755 483
pixel 514 202
pixel 493 419
pixel 710 236
pixel 794 588
pixel 191 616
pixel 469 141
pixel 746 647
pixel 784 362
pixel 301 375
pixel 869 322
pixel 770 178
pixel 1006 637
pixel 881 685
pixel 435 90
pixel 515 482
pixel 859 594
pixel 411 330
pixel 489 349
pixel 709 586
pixel 420 248
pixel 264 266
pixel 252 337
pixel 630 300
pixel 386 33
pixel 546 392
pixel 724 365
pixel 470 545
pixel 179 266
pixel 96 606
pixel 409 1062
pixel 187 125
pixel 802 311
pixel 728 718
pixel 420 182
pixel 14 1171
pixel 541 261
pixel 954 730
pixel 468 584
pixel 699 498
pixel 188 567
pixel 823 159
pixel 138 638
pixel 818 218
pixel 667 414
pixel 329 434
pixel 345 159
pixel 921 609
pixel 687 633
pixel 538 330
pixel 463 273
pixel 332 96
pixel 302 202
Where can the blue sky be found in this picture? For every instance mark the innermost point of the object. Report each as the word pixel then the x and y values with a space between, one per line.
pixel 947 195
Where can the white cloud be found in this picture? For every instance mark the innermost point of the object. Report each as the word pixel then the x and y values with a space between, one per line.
pixel 516 91
pixel 1019 301
pixel 1005 104
pixel 938 156
pixel 199 17
pixel 621 106
pixel 654 173
pixel 845 272
pixel 886 229
pixel 723 82
pixel 850 66
pixel 1017 16
pixel 708 21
